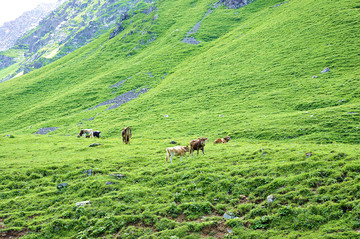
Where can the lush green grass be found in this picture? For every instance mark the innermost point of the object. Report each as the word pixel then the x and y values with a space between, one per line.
pixel 315 196
pixel 254 67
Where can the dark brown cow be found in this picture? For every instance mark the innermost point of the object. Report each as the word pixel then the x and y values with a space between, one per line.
pixel 222 140
pixel 126 135
pixel 197 145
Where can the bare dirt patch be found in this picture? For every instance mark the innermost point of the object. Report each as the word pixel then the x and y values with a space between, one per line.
pixel 10 233
pixel 218 230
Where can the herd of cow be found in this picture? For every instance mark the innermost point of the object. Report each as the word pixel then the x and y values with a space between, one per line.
pixel 89 133
pixel 197 144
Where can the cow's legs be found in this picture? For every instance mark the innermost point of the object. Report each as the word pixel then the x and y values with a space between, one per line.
pixel 203 151
pixel 171 156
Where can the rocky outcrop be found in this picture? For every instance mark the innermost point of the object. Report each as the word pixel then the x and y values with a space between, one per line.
pixel 229 3
pixel 46 130
pixel 119 27
pixel 6 61
pixel 236 3
pixel 71 26
pixel 11 31
pixel 122 99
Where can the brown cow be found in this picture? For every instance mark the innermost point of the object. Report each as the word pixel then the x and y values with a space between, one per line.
pixel 176 151
pixel 126 135
pixel 222 140
pixel 197 145
pixel 86 132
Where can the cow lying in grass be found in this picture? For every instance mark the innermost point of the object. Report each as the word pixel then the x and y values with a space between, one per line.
pixel 176 151
pixel 197 145
pixel 86 132
pixel 222 140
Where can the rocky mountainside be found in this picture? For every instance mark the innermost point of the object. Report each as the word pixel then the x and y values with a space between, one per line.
pixel 69 27
pixel 11 31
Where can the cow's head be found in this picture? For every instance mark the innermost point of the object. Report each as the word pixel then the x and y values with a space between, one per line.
pixel 187 149
pixel 81 133
pixel 202 140
pixel 227 138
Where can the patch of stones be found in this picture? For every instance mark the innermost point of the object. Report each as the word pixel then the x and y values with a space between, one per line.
pixel 62 186
pixel 121 99
pixel 229 215
pixel 83 203
pixel 119 84
pixel 117 175
pixel 278 5
pixel 192 40
pixel 327 69
pixel 236 3
pixel 46 130
pixel 94 145
pixel 228 3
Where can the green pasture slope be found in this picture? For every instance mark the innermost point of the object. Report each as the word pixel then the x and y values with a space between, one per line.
pixel 251 77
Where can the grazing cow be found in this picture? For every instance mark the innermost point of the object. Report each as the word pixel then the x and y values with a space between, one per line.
pixel 197 145
pixel 126 135
pixel 176 151
pixel 86 132
pixel 222 140
pixel 97 134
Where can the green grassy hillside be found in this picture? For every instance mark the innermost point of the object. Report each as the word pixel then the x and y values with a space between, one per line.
pixel 254 66
pixel 251 77
pixel 310 197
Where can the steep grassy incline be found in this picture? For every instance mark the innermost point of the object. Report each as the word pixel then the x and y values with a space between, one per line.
pixel 254 65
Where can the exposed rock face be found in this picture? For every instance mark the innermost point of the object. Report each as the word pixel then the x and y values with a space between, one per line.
pixel 327 69
pixel 119 28
pixel 46 130
pixel 121 99
pixel 6 61
pixel 229 3
pixel 71 26
pixel 149 10
pixel 11 31
pixel 190 40
pixel 236 3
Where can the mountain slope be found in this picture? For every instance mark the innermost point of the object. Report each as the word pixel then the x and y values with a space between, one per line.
pixel 257 71
pixel 70 26
pixel 11 31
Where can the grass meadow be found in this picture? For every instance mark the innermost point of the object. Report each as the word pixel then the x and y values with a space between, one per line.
pixel 291 169
pixel 313 196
